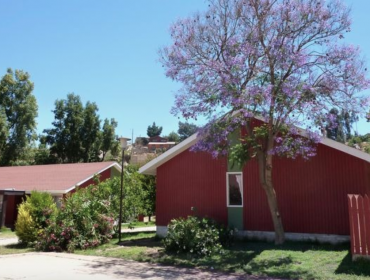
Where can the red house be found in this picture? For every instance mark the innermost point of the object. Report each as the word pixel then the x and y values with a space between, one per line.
pixel 312 195
pixel 56 179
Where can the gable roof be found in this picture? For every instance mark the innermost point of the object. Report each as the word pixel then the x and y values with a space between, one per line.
pixel 53 178
pixel 151 167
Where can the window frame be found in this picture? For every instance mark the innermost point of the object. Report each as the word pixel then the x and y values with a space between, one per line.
pixel 227 189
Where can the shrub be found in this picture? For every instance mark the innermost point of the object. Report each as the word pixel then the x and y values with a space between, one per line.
pixel 41 206
pixel 201 236
pixel 33 215
pixel 83 221
pixel 25 227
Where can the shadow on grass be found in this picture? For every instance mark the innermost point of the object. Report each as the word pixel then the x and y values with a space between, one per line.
pixel 246 257
pixel 17 246
pixel 359 267
pixel 139 239
pixel 259 258
pixel 142 242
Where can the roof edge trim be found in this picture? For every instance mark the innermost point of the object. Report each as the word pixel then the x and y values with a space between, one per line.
pixel 151 167
pixel 114 164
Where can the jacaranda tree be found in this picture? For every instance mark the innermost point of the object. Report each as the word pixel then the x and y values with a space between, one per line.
pixel 281 61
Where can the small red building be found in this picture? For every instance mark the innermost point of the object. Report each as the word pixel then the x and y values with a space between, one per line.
pixel 56 179
pixel 312 195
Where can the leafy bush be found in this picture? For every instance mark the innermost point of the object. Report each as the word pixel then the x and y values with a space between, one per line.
pixel 33 215
pixel 201 236
pixel 41 206
pixel 84 220
pixel 25 227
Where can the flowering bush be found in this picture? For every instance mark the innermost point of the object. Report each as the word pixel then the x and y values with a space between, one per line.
pixel 33 213
pixel 195 235
pixel 84 221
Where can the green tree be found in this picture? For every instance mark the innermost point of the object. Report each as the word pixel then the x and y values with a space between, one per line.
pixel 149 194
pixel 42 155
pixel 173 137
pixel 76 135
pixel 186 130
pixel 339 125
pixel 154 130
pixel 4 132
pixel 18 111
pixel 109 138
pixel 65 137
pixel 90 133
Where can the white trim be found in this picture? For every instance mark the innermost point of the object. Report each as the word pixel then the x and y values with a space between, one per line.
pixel 52 192
pixel 270 236
pixel 345 149
pixel 151 167
pixel 227 189
pixel 161 143
pixel 161 231
pixel 114 164
pixel 292 236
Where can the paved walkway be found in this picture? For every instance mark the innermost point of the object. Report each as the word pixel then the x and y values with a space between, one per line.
pixel 8 241
pixel 55 266
pixel 140 229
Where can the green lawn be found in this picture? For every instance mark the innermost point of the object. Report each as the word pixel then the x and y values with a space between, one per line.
pixel 12 248
pixel 6 233
pixel 15 249
pixel 291 260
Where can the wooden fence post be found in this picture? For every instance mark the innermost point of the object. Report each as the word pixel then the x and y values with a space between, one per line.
pixel 359 220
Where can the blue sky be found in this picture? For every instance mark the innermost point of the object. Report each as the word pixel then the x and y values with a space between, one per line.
pixel 106 52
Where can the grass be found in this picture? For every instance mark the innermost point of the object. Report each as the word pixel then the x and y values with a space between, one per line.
pixel 12 248
pixel 292 260
pixel 138 224
pixel 7 233
pixel 298 260
pixel 15 249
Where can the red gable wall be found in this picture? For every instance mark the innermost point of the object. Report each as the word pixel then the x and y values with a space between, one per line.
pixel 191 180
pixel 312 194
pixel 106 174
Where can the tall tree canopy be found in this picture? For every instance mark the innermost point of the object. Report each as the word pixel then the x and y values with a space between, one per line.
pixel 76 135
pixel 277 60
pixel 18 112
pixel 109 138
pixel 173 137
pixel 186 130
pixel 154 130
pixel 339 125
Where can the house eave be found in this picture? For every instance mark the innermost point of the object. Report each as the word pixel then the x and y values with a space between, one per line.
pixel 151 167
pixel 115 165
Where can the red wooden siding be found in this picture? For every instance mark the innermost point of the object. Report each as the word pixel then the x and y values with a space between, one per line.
pixel 103 176
pixel 11 210
pixel 312 194
pixel 359 217
pixel 191 180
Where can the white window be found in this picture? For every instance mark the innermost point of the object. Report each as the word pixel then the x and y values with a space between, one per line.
pixel 234 185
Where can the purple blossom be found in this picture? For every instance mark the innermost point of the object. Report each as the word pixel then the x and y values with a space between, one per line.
pixel 290 73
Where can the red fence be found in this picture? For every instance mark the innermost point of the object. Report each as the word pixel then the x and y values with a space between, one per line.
pixel 359 219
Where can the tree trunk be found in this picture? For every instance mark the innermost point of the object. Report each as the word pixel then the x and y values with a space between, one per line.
pixel 265 174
